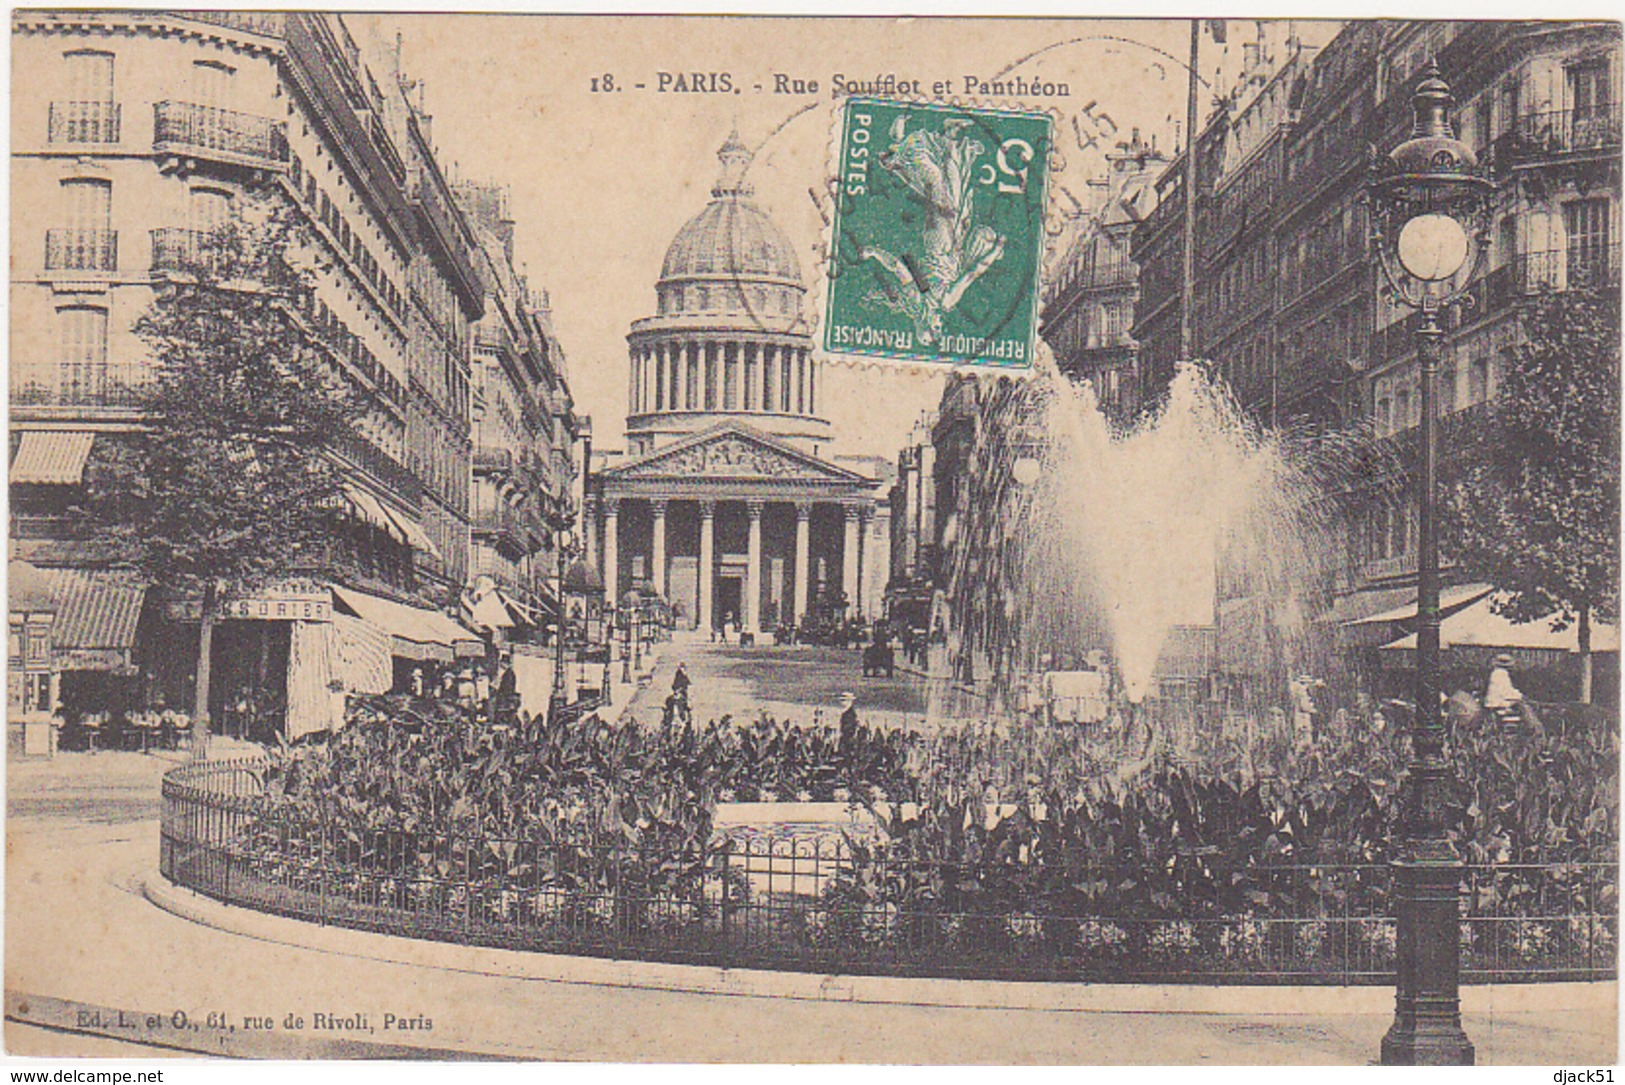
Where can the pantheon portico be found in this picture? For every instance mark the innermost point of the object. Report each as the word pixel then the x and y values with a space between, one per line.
pixel 728 501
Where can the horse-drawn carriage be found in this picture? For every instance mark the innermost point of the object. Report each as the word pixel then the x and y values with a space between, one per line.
pixel 879 659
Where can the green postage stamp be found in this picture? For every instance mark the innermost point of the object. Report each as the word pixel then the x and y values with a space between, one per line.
pixel 938 233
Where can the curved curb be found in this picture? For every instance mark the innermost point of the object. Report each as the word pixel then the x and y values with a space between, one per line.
pixel 1253 1001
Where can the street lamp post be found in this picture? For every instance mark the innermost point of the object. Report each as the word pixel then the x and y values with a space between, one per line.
pixel 629 629
pixel 1430 205
pixel 563 545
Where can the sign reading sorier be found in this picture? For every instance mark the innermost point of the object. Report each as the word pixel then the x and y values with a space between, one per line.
pixel 277 601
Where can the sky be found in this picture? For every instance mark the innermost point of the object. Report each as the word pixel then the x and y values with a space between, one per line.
pixel 601 181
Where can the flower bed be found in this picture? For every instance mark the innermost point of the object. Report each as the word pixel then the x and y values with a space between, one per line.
pixel 581 837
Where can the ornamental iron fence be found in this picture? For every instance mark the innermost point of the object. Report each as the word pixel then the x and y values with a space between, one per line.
pixel 832 902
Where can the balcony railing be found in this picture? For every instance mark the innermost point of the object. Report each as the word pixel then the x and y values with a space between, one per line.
pixel 505 520
pixel 76 249
pixel 383 467
pixel 1564 131
pixel 58 384
pixel 271 24
pixel 1568 269
pixel 494 459
pixel 189 128
pixel 175 248
pixel 83 122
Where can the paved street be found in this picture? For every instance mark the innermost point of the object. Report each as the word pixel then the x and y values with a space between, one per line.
pixel 84 834
pixel 800 683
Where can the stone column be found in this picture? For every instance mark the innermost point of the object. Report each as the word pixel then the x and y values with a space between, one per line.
pixel 657 559
pixel 691 377
pixel 632 385
pixel 801 382
pixel 787 397
pixel 812 387
pixel 747 393
pixel 674 373
pixel 708 394
pixel 803 545
pixel 753 569
pixel 770 365
pixel 866 559
pixel 849 559
pixel 708 559
pixel 730 376
pixel 589 526
pixel 612 556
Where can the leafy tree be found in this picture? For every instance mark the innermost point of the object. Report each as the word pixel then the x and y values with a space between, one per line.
pixel 1535 496
pixel 227 480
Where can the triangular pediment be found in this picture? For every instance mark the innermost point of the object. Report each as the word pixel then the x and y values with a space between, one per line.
pixel 732 451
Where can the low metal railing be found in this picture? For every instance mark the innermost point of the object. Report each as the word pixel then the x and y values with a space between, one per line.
pixel 72 248
pixel 83 122
pixel 830 901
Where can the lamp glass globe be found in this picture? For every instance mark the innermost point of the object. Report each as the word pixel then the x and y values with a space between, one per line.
pixel 1026 470
pixel 1432 247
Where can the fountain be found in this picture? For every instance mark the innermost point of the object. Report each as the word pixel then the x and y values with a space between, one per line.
pixel 1192 519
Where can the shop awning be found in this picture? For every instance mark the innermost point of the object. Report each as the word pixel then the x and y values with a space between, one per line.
pixel 489 611
pixel 416 632
pixel 51 456
pixel 1450 599
pixel 465 644
pixel 369 511
pixel 1478 626
pixel 96 619
pixel 29 589
pixel 407 528
pixel 492 607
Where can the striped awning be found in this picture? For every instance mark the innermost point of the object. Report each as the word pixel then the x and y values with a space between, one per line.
pixel 52 457
pixel 96 618
pixel 415 632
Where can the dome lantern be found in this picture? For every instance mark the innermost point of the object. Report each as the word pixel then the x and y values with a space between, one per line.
pixel 735 158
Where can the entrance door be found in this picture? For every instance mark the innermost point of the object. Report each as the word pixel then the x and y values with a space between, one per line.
pixel 730 594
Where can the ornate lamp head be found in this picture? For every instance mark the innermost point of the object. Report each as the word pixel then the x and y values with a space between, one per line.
pixel 1430 205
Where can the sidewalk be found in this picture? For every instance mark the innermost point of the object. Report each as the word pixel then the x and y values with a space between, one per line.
pixel 84 943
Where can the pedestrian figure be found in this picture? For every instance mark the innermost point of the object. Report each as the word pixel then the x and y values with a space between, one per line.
pixel 506 698
pixel 849 724
pixel 417 682
pixel 680 682
pixel 1501 696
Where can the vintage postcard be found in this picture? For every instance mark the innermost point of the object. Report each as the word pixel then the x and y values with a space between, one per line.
pixel 745 539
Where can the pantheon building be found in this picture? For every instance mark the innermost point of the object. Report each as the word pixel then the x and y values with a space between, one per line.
pixel 729 500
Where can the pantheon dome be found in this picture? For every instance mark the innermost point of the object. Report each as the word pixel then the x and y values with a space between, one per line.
pixel 728 341
pixel 728 503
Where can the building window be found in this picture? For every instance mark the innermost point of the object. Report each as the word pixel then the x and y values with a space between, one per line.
pixel 1478 379
pixel 208 209
pixel 1588 90
pixel 83 358
pixel 1509 105
pixel 211 82
pixel 90 76
pixel 89 203
pixel 1585 222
